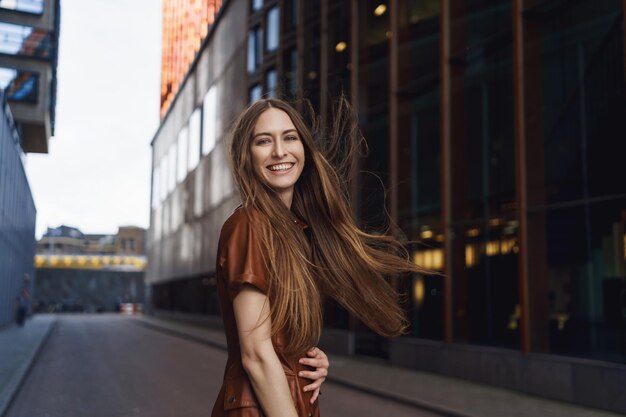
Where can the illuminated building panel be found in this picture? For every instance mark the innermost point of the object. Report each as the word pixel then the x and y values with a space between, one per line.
pixel 185 25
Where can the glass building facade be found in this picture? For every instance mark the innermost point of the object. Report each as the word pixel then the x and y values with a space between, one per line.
pixel 495 131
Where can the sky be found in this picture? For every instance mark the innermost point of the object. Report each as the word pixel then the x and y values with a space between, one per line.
pixel 96 175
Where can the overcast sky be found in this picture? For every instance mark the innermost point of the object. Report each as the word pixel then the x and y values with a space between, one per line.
pixel 96 175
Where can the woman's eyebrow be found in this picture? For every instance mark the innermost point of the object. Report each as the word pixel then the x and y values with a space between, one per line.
pixel 269 134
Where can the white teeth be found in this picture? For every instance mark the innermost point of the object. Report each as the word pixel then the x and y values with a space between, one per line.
pixel 280 167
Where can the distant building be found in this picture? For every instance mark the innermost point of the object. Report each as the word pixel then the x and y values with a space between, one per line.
pixel 29 33
pixel 89 272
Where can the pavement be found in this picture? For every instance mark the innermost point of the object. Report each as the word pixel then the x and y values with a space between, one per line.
pixel 19 347
pixel 441 395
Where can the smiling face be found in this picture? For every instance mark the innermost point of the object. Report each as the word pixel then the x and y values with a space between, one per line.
pixel 277 152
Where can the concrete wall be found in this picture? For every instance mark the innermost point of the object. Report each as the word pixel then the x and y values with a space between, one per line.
pixel 92 290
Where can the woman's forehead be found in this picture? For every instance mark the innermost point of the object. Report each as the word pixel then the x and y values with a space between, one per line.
pixel 273 120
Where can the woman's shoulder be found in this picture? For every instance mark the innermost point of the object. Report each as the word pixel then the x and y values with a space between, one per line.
pixel 239 222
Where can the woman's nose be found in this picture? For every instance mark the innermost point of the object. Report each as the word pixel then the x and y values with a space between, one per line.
pixel 279 150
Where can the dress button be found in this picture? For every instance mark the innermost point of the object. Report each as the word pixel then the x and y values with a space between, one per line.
pixel 231 400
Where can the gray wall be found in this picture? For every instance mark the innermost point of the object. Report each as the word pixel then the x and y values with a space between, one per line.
pixel 17 218
pixel 90 289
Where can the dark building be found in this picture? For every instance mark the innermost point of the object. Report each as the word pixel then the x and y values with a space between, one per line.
pixel 29 32
pixel 497 128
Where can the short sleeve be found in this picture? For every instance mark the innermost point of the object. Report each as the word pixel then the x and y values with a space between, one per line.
pixel 242 257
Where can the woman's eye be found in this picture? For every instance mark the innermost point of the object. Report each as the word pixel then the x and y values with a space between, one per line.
pixel 262 141
pixel 291 137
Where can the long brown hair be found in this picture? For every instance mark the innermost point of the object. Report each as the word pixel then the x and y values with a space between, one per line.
pixel 339 260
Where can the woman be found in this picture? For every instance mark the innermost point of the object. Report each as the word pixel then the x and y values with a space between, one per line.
pixel 292 241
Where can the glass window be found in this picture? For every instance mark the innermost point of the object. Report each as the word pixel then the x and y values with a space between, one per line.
pixel 183 153
pixel 484 209
pixel 256 5
pixel 291 15
pixel 255 93
pixel 25 6
pixel 577 208
pixel 25 41
pixel 195 122
pixel 255 49
pixel 271 81
pixel 19 86
pixel 209 121
pixel 272 29
pixel 289 71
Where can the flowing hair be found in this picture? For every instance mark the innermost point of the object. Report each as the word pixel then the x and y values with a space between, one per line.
pixel 338 260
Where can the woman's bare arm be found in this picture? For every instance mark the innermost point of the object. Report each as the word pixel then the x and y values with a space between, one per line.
pixel 258 356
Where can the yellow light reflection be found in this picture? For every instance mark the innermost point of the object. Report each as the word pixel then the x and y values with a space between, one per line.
pixel 495 222
pixel 341 46
pixel 39 261
pixel 418 291
pixel 380 10
pixel 67 260
pixel 426 234
pixel 470 255
pixel 54 260
pixel 429 259
pixel 472 232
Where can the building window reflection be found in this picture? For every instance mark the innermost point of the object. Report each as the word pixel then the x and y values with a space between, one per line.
pixel 272 29
pixel 271 80
pixel 256 5
pixel 255 49
pixel 255 93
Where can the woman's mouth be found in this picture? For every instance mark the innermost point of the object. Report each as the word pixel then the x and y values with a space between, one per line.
pixel 282 167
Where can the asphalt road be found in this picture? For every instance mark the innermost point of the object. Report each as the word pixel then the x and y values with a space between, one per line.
pixel 106 366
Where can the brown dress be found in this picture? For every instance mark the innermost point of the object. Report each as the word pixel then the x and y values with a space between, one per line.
pixel 239 262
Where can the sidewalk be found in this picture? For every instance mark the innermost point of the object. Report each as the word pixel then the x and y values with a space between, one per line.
pixel 19 347
pixel 442 395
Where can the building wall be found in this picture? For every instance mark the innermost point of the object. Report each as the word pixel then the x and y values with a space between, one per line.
pixel 130 240
pixel 17 219
pixel 192 192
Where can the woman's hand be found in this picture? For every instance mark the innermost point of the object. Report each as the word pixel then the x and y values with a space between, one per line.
pixel 318 360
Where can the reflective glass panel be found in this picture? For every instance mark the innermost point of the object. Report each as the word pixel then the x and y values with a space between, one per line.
pixel 272 27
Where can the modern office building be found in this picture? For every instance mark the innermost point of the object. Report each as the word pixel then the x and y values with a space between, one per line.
pixel 29 31
pixel 497 128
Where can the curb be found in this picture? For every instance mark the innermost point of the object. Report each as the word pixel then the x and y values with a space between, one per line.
pixel 410 401
pixel 18 378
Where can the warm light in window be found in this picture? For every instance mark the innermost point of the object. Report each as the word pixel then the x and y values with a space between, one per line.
pixel 429 259
pixel 341 46
pixel 426 234
pixel 473 232
pixel 418 291
pixel 380 10
pixel 495 222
